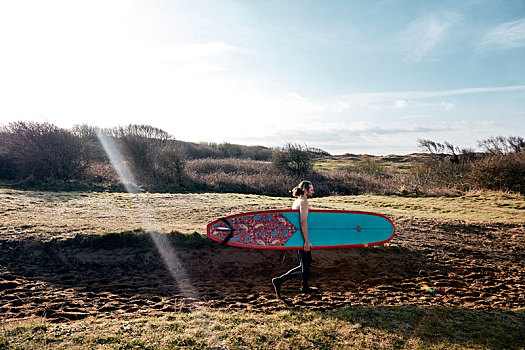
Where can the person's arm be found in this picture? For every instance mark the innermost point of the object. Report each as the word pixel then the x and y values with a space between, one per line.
pixel 303 216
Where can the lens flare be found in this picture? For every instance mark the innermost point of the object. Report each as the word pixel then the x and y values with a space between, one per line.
pixel 166 250
pixel 426 288
pixel 117 161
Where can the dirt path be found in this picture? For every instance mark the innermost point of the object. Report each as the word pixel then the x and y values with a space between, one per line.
pixel 429 262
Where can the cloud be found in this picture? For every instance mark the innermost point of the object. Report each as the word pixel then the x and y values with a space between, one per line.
pixel 369 137
pixel 400 104
pixel 507 36
pixel 399 98
pixel 422 35
pixel 447 106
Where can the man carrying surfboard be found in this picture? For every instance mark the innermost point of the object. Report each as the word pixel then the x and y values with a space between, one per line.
pixel 302 192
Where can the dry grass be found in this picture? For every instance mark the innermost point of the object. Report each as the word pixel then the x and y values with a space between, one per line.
pixel 358 327
pixel 51 214
pixel 47 215
pixel 392 164
pixel 258 177
pixel 470 207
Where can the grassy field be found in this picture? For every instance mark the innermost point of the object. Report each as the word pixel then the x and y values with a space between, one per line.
pixel 470 207
pixel 359 327
pixel 68 213
pixel 48 215
pixel 392 164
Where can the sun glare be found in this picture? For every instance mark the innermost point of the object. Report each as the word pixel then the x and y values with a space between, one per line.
pixel 166 250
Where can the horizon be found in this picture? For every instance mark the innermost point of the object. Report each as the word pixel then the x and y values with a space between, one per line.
pixel 207 143
pixel 343 77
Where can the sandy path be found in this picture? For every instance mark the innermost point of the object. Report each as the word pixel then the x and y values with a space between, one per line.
pixel 429 262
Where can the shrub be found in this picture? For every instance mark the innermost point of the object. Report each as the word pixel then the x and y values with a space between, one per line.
pixel 340 182
pixel 91 146
pixel 8 168
pixel 371 167
pixel 149 152
pixel 41 151
pixel 231 166
pixel 169 166
pixel 98 172
pixel 293 159
pixel 501 172
pixel 228 150
pixel 443 170
pixel 140 145
pixel 256 177
pixel 236 175
pixel 199 150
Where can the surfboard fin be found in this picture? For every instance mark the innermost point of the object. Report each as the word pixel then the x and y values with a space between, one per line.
pixel 229 228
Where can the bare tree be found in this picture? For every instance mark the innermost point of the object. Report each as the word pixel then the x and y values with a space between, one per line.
pixel 434 148
pixel 516 143
pixel 502 145
pixel 43 151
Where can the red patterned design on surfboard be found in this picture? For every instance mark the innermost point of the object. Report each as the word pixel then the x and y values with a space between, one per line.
pixel 268 229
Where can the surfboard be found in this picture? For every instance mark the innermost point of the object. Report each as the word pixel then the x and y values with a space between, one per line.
pixel 280 229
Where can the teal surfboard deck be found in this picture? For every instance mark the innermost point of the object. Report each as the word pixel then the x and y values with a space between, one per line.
pixel 280 229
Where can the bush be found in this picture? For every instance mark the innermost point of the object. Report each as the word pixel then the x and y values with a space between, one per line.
pixel 293 159
pixel 98 172
pixel 501 167
pixel 500 172
pixel 228 150
pixel 236 176
pixel 231 166
pixel 169 166
pixel 256 177
pixel 41 151
pixel 91 146
pixel 140 145
pixel 150 154
pixel 503 145
pixel 443 170
pixel 370 167
pixel 8 168
pixel 340 182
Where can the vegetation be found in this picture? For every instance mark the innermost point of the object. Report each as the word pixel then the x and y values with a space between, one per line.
pixel 96 213
pixel 355 327
pixel 500 172
pixel 43 156
pixel 500 167
pixel 352 327
pixel 39 151
pixel 293 159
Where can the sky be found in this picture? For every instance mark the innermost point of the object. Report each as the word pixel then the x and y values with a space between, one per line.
pixel 345 76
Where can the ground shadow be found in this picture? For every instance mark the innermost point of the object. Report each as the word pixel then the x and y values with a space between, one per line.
pixel 125 272
pixel 437 325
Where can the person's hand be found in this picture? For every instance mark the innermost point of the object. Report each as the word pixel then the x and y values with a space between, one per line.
pixel 307 246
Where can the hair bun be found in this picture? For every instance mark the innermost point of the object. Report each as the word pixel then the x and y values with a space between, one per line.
pixel 297 191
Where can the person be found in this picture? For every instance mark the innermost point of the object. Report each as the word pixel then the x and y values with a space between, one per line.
pixel 302 192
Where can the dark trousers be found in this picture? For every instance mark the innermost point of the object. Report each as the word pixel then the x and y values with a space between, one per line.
pixel 305 260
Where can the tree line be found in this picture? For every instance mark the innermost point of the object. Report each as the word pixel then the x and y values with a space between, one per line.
pixel 499 166
pixel 38 153
pixel 42 154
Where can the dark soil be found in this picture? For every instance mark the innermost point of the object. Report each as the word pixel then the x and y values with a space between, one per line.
pixel 429 262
